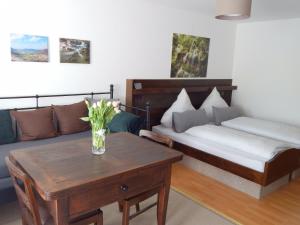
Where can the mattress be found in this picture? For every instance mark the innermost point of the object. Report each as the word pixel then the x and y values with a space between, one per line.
pixel 245 142
pixel 270 129
pixel 246 159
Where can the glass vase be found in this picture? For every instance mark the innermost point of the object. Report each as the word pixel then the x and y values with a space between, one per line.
pixel 98 141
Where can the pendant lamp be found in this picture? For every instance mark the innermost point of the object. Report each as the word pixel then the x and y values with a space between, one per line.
pixel 233 9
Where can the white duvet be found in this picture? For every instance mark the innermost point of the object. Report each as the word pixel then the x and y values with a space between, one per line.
pixel 257 145
pixel 275 130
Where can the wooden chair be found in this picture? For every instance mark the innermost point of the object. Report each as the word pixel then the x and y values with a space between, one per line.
pixel 159 138
pixel 125 205
pixel 32 208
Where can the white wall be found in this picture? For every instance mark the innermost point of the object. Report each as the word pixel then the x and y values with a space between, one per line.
pixel 267 70
pixel 129 39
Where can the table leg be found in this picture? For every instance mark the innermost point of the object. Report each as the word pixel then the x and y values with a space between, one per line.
pixel 61 212
pixel 126 213
pixel 163 198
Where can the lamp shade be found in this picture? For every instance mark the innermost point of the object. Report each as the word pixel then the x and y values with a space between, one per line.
pixel 233 9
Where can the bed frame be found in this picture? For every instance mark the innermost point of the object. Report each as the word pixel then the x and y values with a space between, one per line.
pixel 159 95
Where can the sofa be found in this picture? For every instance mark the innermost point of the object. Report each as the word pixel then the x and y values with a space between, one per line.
pixel 7 192
pixel 30 129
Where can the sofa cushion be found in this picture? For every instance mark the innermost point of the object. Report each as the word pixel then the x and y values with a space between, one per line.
pixel 35 124
pixel 68 117
pixel 7 191
pixel 6 131
pixel 5 149
pixel 6 183
pixel 126 122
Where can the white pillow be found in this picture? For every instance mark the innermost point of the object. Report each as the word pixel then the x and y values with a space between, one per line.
pixel 214 99
pixel 182 103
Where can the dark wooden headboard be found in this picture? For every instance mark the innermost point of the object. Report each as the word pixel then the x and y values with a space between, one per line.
pixel 160 94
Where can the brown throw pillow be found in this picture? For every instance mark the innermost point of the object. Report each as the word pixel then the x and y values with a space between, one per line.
pixel 68 117
pixel 35 124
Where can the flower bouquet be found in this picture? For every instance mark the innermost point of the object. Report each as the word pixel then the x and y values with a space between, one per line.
pixel 100 114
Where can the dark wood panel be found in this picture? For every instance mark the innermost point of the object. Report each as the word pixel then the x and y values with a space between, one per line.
pixel 150 83
pixel 177 90
pixel 162 93
pixel 128 185
pixel 281 165
pixel 221 163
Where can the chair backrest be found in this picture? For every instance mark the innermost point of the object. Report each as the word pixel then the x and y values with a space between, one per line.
pixel 159 138
pixel 25 194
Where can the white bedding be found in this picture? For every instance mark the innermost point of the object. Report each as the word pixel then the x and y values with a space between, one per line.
pixel 275 130
pixel 232 154
pixel 245 142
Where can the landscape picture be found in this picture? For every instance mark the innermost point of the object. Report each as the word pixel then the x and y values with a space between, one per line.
pixel 74 51
pixel 189 56
pixel 29 48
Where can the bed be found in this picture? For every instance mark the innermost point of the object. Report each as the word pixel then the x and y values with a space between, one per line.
pixel 160 94
pixel 251 161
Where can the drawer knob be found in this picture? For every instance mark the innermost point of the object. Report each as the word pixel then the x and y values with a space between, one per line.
pixel 124 187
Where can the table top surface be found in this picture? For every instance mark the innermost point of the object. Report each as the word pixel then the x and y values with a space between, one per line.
pixel 60 167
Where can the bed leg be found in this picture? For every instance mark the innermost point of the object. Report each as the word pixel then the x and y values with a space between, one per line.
pixel 148 124
pixel 290 176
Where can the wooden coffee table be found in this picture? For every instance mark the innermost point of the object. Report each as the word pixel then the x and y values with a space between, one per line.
pixel 72 181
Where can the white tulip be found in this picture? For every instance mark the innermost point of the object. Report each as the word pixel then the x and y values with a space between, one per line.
pixel 115 103
pixel 117 110
pixel 98 104
pixel 108 103
pixel 94 105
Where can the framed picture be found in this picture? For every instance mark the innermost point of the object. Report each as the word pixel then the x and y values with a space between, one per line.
pixel 28 48
pixel 74 51
pixel 189 56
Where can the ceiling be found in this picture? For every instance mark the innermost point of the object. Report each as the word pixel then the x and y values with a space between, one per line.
pixel 261 9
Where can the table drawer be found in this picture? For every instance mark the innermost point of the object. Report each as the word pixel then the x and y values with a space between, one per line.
pixel 126 186
pixel 141 181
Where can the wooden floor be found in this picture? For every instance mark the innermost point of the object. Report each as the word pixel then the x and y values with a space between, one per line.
pixel 280 207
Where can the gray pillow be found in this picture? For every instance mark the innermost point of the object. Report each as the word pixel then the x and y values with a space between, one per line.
pixel 191 118
pixel 223 114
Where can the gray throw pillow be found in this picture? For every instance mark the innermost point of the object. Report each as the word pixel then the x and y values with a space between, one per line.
pixel 191 118
pixel 223 114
